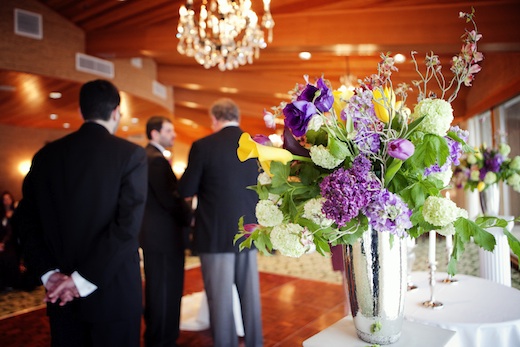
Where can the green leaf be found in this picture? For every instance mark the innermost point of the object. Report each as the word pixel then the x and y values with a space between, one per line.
pixel 481 237
pixel 393 167
pixel 433 149
pixel 413 125
pixel 514 244
pixel 338 149
pixel 317 137
pixel 280 173
pixel 309 174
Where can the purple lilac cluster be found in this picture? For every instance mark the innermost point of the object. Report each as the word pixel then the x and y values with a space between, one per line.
pixel 361 109
pixel 493 160
pixel 347 191
pixel 455 152
pixel 387 212
pixel 310 100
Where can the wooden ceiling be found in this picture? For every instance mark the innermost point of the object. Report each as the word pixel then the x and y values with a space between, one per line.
pixel 342 36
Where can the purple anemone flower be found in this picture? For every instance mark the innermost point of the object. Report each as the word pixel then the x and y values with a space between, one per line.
pixel 297 115
pixel 323 101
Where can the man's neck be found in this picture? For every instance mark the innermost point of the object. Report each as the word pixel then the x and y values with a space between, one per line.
pixel 158 146
pixel 104 123
pixel 224 124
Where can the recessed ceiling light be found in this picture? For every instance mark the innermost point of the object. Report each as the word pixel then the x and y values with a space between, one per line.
pixel 53 116
pixel 305 55
pixel 66 125
pixel 55 95
pixel 134 120
pixel 124 128
pixel 399 58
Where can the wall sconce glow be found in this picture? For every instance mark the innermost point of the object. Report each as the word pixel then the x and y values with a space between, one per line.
pixel 228 90
pixel 124 106
pixel 178 168
pixel 55 95
pixel 188 122
pixel 282 95
pixel 193 86
pixel 53 116
pixel 305 55
pixel 399 58
pixel 191 104
pixel 24 167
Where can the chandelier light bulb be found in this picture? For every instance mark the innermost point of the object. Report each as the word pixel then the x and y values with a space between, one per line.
pixel 227 33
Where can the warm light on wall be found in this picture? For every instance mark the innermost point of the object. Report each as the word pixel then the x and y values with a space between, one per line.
pixel 24 167
pixel 178 168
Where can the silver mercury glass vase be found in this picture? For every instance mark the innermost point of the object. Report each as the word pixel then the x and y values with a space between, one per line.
pixel 376 272
pixel 490 200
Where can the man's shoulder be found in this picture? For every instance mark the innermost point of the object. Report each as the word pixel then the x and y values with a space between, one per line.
pixel 231 134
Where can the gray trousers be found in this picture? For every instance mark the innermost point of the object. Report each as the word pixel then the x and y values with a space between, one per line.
pixel 219 272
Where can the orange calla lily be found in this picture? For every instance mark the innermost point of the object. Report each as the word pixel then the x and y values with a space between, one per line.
pixel 248 148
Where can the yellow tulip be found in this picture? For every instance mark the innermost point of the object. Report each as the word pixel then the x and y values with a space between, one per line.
pixel 248 148
pixel 340 100
pixel 480 186
pixel 384 103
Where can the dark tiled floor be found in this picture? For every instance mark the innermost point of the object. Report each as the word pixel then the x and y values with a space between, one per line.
pixel 293 309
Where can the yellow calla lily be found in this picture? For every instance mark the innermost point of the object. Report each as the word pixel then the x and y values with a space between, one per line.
pixel 384 101
pixel 248 148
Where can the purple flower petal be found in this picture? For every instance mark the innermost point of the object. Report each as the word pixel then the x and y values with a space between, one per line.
pixel 297 116
pixel 400 149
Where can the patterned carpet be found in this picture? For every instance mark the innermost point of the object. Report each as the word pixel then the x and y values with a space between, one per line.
pixel 311 266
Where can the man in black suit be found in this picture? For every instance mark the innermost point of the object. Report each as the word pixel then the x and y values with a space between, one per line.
pixel 79 219
pixel 219 180
pixel 161 239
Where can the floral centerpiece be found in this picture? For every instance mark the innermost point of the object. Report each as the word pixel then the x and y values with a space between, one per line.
pixel 350 162
pixel 488 166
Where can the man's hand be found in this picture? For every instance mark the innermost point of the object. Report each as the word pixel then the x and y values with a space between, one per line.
pixel 62 287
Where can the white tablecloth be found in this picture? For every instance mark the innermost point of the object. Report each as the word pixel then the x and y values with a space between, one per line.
pixel 343 334
pixel 482 312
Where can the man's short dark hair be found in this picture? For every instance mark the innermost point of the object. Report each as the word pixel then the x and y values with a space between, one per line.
pixel 155 123
pixel 98 99
pixel 225 109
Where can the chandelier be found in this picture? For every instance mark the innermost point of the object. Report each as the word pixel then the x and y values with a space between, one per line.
pixel 348 81
pixel 227 33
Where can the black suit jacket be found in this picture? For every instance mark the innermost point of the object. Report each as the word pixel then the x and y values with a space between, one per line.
pixel 220 182
pixel 82 206
pixel 166 213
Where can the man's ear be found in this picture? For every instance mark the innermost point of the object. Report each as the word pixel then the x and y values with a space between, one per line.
pixel 153 134
pixel 116 114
